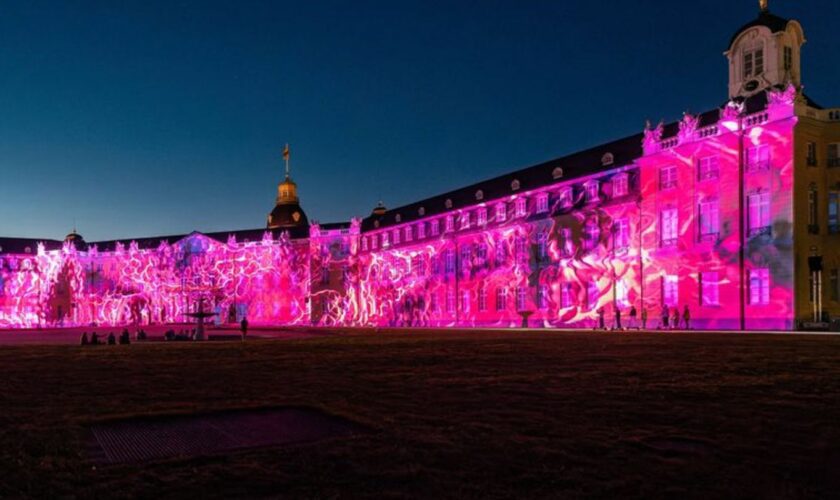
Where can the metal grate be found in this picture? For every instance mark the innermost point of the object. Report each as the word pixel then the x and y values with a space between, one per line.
pixel 139 440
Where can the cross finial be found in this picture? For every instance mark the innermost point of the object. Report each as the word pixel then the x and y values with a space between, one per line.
pixel 763 5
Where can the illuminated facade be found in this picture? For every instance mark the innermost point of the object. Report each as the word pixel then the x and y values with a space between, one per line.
pixel 716 213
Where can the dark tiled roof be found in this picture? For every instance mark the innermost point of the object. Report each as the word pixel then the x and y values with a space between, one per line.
pixel 19 245
pixel 220 236
pixel 771 21
pixel 332 226
pixel 580 164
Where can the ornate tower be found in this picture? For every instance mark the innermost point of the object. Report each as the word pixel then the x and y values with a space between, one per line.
pixel 287 212
pixel 764 53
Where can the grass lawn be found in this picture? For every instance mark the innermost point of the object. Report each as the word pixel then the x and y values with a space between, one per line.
pixel 454 415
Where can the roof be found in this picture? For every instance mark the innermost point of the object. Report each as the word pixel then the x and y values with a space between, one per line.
pixel 770 21
pixel 20 245
pixel 579 164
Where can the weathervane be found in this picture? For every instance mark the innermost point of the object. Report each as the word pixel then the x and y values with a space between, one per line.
pixel 286 158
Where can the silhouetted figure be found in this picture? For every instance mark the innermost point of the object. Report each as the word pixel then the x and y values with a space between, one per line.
pixel 676 318
pixel 94 339
pixel 601 323
pixel 687 318
pixel 84 339
pixel 169 335
pixel 112 340
pixel 665 312
pixel 125 338
pixel 617 318
pixel 632 323
pixel 243 327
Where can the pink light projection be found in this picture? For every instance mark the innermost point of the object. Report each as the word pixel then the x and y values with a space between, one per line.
pixel 664 232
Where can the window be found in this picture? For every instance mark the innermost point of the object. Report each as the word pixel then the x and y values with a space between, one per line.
pixel 521 298
pixel 709 291
pixel 668 177
pixel 434 227
pixel 621 234
pixel 590 190
pixel 542 203
pixel 788 58
pixel 619 185
pixel 812 154
pixel 408 233
pixel 482 299
pixel 542 245
pixel 449 261
pixel 542 297
pixel 834 212
pixel 384 239
pixel 421 230
pixel 481 216
pixel 465 220
pixel 709 219
pixel 567 248
pixel 466 255
pixel 669 224
pixel 670 290
pixel 450 223
pixel 758 158
pixel 465 301
pixel 417 265
pixel 396 236
pixel 833 155
pixel 501 253
pixel 708 168
pixel 759 286
pixel 592 294
pixel 591 234
pixel 519 246
pixel 481 254
pixel 521 207
pixel 753 62
pixel 450 300
pixel 758 206
pixel 501 299
pixel 813 227
pixel 374 241
pixel 364 244
pixel 566 297
pixel 501 212
pixel 565 198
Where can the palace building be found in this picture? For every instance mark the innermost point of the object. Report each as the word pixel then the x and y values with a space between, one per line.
pixel 732 214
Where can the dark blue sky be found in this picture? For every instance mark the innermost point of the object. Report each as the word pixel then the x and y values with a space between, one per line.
pixel 150 118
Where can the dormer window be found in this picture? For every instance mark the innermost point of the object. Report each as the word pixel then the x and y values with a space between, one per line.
pixel 450 223
pixel 434 227
pixel 408 235
pixel 396 236
pixel 542 203
pixel 591 191
pixel 619 185
pixel 501 212
pixel 521 207
pixel 421 230
pixel 481 215
pixel 384 239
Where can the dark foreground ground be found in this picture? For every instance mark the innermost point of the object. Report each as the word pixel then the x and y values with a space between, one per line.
pixel 454 415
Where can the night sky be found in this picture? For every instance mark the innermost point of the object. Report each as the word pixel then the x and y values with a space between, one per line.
pixel 153 118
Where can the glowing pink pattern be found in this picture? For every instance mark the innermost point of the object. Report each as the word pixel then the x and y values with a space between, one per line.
pixel 664 231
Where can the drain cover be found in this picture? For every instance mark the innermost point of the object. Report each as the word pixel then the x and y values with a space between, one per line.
pixel 139 440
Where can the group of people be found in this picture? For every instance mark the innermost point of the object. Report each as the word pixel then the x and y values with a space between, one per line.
pixel 111 339
pixel 670 319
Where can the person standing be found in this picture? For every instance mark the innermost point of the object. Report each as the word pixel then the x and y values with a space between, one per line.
pixel 632 323
pixel 676 318
pixel 601 324
pixel 644 318
pixel 686 318
pixel 617 318
pixel 243 327
pixel 665 315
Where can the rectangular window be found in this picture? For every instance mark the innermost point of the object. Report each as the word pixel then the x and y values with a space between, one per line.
pixel 834 212
pixel 501 299
pixel 501 253
pixel 670 290
pixel 811 156
pixel 466 255
pixel 481 254
pixel 450 223
pixel 396 236
pixel 374 241
pixel 753 63
pixel 566 296
pixel 591 235
pixel 748 64
pixel 833 159
pixel 619 185
pixel 465 301
pixel 519 246
pixel 708 168
pixel 450 300
pixel 758 158
pixel 385 239
pixel 813 228
pixel 542 297
pixel 669 223
pixel 481 215
pixel 542 203
pixel 364 244
pixel 465 220
pixel 709 289
pixel 709 219
pixel 408 233
pixel 760 286
pixel 434 227
pixel 565 198
pixel 542 245
pixel 521 207
pixel 668 177
pixel 592 294
pixel 567 248
pixel 501 212
pixel 758 206
pixel 449 261
pixel 591 190
pixel 421 230
pixel 521 298
pixel 482 299
pixel 621 234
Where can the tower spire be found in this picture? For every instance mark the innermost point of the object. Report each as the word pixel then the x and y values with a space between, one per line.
pixel 286 158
